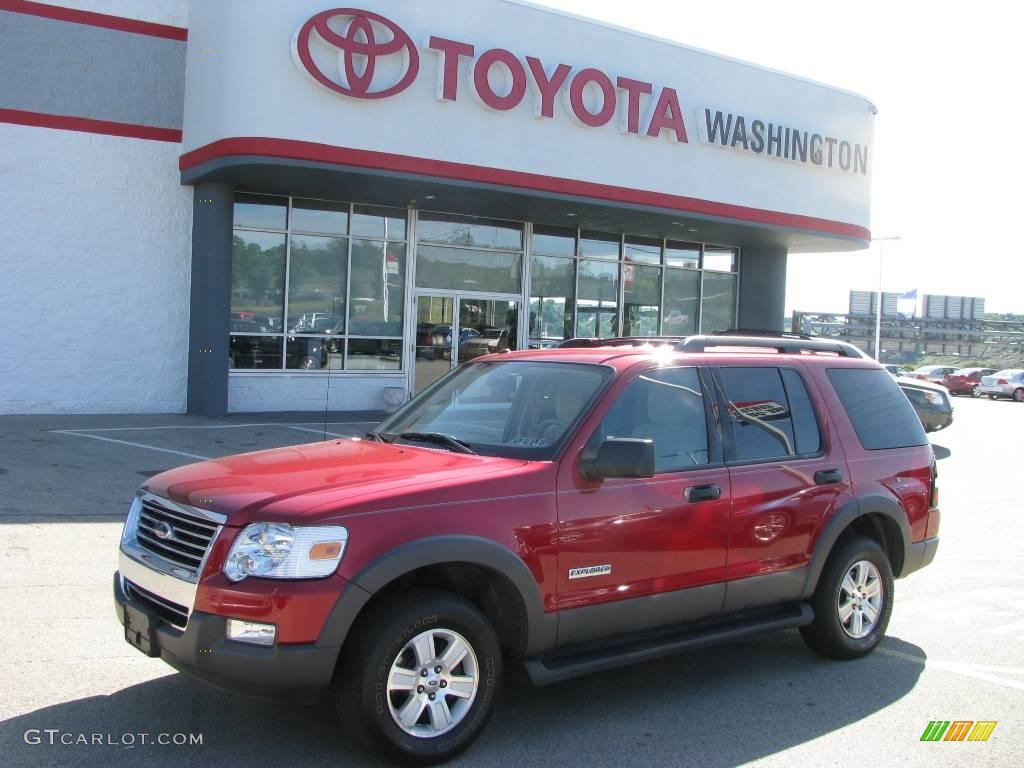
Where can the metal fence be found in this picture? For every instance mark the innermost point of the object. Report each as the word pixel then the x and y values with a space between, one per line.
pixel 910 338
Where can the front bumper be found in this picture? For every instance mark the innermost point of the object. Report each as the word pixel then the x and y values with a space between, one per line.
pixel 201 650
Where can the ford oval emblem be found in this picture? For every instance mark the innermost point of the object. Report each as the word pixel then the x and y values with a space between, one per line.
pixel 162 530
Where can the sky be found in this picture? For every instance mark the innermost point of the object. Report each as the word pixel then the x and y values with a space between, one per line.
pixel 948 157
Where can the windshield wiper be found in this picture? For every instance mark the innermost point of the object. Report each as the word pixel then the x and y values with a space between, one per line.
pixel 439 438
pixel 381 436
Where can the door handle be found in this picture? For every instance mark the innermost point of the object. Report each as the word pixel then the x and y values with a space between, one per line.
pixel 697 493
pixel 828 476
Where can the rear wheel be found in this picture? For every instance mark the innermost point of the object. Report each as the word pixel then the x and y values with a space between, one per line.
pixel 853 601
pixel 975 391
pixel 1018 395
pixel 420 677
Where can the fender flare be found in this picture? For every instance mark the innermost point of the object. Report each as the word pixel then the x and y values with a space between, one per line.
pixel 872 503
pixel 438 550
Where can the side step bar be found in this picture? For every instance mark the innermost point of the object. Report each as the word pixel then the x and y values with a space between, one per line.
pixel 554 669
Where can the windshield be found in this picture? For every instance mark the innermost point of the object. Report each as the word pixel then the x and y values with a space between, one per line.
pixel 514 409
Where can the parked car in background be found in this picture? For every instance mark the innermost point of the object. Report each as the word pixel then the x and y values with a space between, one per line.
pixel 932 402
pixel 966 381
pixel 489 341
pixel 897 370
pixel 1008 383
pixel 933 373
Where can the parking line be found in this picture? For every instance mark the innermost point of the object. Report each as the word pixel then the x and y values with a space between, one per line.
pixel 133 445
pixel 322 431
pixel 206 426
pixel 975 671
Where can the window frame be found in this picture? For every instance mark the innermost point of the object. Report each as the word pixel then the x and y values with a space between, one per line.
pixel 349 238
pixel 728 441
pixel 716 447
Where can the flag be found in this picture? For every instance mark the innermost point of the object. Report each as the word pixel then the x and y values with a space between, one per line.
pixel 906 304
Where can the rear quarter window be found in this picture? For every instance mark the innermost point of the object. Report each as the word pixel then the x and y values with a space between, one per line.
pixel 880 413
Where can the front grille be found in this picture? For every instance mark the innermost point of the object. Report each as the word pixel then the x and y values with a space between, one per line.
pixel 171 612
pixel 189 539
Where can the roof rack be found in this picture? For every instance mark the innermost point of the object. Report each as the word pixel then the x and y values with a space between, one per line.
pixel 787 344
pixel 762 332
pixel 621 341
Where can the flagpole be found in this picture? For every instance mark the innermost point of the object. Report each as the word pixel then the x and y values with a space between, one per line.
pixel 878 306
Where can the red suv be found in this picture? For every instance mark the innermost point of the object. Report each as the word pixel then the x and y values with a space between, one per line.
pixel 567 510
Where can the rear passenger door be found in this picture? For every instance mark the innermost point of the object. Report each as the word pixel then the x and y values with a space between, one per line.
pixel 786 474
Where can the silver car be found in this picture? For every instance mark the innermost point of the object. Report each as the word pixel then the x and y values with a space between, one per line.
pixel 1008 383
pixel 933 373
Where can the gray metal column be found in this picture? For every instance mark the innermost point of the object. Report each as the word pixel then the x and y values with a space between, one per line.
pixel 763 287
pixel 210 304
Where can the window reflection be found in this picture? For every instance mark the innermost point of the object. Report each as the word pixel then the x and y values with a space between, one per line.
pixel 257 279
pixel 718 303
pixel 374 221
pixel 316 284
pixel 377 292
pixel 374 354
pixel 468 269
pixel 682 294
pixel 552 300
pixel 470 232
pixel 598 245
pixel 597 308
pixel 641 306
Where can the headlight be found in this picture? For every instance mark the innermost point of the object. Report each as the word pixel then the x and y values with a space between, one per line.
pixel 131 524
pixel 282 551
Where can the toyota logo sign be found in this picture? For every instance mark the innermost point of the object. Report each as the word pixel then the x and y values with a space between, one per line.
pixel 372 57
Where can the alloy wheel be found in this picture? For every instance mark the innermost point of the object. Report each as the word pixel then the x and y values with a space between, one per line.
pixel 860 599
pixel 433 683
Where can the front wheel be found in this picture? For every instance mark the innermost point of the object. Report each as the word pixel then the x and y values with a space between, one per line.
pixel 975 391
pixel 853 601
pixel 420 677
pixel 1018 395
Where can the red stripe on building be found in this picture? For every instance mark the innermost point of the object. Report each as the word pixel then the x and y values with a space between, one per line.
pixel 88 125
pixel 359 158
pixel 93 19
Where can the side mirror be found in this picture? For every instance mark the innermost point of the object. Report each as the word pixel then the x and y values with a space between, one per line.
pixel 621 457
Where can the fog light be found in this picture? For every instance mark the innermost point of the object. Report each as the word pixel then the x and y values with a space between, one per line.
pixel 251 632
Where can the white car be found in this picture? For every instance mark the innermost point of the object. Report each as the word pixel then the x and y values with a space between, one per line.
pixel 1008 383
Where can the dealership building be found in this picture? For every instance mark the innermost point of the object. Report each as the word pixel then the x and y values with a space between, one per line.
pixel 254 205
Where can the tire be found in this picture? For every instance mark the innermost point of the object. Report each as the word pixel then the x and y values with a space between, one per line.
pixel 993 397
pixel 976 391
pixel 1018 395
pixel 390 637
pixel 828 634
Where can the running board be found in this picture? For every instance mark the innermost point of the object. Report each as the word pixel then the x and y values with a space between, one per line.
pixel 554 669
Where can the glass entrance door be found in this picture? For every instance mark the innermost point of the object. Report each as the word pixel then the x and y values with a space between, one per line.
pixel 453 328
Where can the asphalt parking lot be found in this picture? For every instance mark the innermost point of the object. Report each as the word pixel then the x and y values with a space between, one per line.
pixel 954 651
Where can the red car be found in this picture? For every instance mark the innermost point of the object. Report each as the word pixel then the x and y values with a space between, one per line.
pixel 966 381
pixel 570 511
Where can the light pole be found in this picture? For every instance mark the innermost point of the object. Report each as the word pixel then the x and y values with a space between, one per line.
pixel 878 306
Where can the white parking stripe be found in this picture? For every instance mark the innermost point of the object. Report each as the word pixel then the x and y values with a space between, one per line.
pixel 975 671
pixel 133 445
pixel 317 431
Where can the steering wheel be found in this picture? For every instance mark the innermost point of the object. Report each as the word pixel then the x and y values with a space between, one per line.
pixel 547 424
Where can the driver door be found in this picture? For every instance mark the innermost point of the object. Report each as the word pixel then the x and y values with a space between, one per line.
pixel 638 553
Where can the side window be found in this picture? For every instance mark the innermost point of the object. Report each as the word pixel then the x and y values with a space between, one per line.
pixel 769 413
pixel 805 421
pixel 880 412
pixel 666 406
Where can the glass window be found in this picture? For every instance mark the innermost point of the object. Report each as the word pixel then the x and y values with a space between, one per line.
pixel 682 295
pixel 468 269
pixel 261 211
pixel 597 305
pixel 642 250
pixel 305 353
pixel 257 279
pixel 377 292
pixel 881 414
pixel 320 216
pixel 552 299
pixel 374 355
pixel 470 232
pixel 759 418
pixel 666 406
pixel 254 352
pixel 720 259
pixel 597 245
pixel 316 284
pixel 513 409
pixel 682 254
pixel 641 304
pixel 554 241
pixel 718 303
pixel 805 420
pixel 373 221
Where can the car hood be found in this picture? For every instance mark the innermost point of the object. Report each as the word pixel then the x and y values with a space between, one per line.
pixel 321 479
